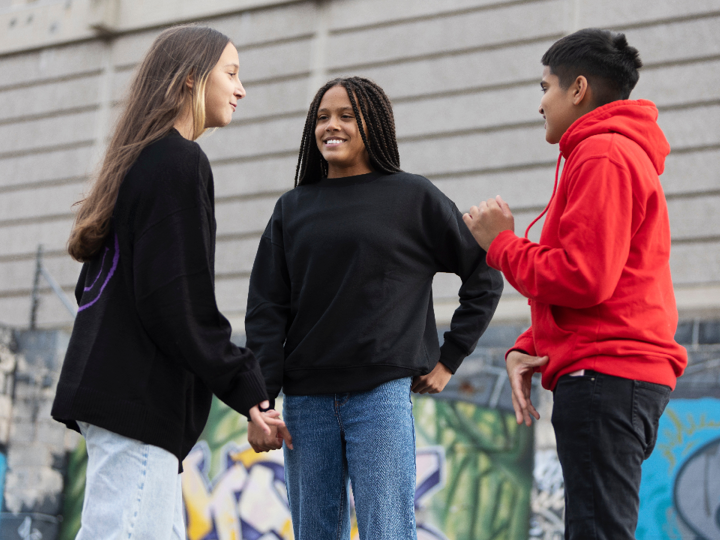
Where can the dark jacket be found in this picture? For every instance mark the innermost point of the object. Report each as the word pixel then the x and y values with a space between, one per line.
pixel 149 346
pixel 341 291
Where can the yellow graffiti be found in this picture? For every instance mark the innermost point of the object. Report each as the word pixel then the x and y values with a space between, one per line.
pixel 683 430
pixel 246 491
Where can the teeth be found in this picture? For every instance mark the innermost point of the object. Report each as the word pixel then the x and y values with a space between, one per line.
pixel 333 141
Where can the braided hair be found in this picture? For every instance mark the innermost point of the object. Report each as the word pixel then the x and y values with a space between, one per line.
pixel 372 105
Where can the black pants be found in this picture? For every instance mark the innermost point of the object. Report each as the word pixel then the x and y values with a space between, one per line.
pixel 605 427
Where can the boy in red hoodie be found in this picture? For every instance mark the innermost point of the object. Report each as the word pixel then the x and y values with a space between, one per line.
pixel 601 296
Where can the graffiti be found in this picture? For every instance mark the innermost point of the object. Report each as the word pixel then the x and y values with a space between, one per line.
pixel 474 476
pixel 28 532
pixel 3 470
pixel 247 500
pixel 548 498
pixel 697 491
pixel 680 490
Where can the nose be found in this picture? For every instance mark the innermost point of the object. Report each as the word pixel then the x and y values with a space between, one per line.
pixel 240 91
pixel 332 123
pixel 540 110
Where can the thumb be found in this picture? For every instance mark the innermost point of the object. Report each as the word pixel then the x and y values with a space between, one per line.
pixel 539 361
pixel 503 205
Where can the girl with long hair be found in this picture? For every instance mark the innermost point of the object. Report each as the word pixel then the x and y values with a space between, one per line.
pixel 340 316
pixel 149 346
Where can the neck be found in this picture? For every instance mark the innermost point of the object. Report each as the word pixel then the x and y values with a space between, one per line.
pixel 184 124
pixel 336 171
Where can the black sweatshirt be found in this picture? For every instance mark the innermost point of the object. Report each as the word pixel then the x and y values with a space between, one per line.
pixel 149 346
pixel 341 290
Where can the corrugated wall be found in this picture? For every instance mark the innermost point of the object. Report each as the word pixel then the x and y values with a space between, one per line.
pixel 463 76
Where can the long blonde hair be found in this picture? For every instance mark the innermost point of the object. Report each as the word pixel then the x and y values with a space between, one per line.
pixel 157 97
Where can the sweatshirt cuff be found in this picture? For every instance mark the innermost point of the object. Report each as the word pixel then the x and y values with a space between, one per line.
pixel 249 390
pixel 451 356
pixel 497 247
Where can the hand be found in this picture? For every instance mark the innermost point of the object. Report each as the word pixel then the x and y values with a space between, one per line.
pixel 520 368
pixel 433 382
pixel 264 439
pixel 487 220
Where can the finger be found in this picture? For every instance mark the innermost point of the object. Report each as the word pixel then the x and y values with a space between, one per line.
pixel 258 420
pixel 274 421
pixel 264 404
pixel 285 435
pixel 517 408
pixel 467 218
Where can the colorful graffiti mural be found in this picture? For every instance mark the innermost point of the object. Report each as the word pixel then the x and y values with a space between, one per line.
pixel 474 475
pixel 680 490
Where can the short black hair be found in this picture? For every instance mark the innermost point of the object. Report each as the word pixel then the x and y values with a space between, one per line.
pixel 369 102
pixel 603 57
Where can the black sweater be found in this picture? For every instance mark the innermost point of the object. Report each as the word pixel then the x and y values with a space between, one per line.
pixel 341 290
pixel 149 346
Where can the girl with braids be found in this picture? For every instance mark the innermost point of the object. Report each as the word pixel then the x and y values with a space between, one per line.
pixel 149 346
pixel 340 315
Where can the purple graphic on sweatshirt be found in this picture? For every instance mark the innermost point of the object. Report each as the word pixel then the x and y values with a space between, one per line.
pixel 116 258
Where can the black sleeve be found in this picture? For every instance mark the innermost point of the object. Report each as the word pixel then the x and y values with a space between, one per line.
pixel 79 288
pixel 268 308
pixel 458 252
pixel 173 265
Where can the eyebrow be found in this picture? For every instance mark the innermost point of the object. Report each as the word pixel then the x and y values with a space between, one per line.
pixel 325 109
pixel 233 65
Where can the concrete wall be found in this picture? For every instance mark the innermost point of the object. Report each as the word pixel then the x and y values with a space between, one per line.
pixel 463 76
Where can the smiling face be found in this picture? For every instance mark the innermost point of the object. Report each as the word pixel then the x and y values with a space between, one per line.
pixel 558 106
pixel 223 89
pixel 338 137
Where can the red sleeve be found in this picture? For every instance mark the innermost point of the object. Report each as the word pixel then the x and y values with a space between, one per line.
pixel 524 343
pixel 593 235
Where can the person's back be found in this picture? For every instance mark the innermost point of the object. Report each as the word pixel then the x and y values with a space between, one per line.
pixel 603 307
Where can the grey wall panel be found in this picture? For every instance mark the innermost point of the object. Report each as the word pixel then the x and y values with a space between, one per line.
pixel 51 201
pixel 231 294
pixel 480 151
pixel 270 175
pixel 660 84
pixel 504 66
pixel 49 166
pixel 688 128
pixel 276 60
pixel 236 256
pixel 271 99
pixel 610 13
pixel 695 262
pixel 242 217
pixel 346 14
pixel 273 24
pixel 24 238
pixel 692 172
pixel 695 217
pixel 521 189
pixel 50 63
pixel 416 38
pixel 18 275
pixel 676 41
pixel 49 98
pixel 15 311
pixel 47 132
pixel 129 50
pixel 471 111
pixel 255 139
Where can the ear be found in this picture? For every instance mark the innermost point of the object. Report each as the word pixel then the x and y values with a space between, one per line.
pixel 190 81
pixel 581 91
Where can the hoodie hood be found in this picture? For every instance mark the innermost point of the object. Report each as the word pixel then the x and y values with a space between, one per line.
pixel 634 119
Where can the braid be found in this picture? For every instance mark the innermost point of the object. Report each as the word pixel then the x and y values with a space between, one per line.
pixel 369 103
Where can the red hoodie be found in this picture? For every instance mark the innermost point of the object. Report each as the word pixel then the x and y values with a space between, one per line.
pixel 599 283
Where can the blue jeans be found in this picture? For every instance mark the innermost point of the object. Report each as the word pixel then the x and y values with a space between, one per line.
pixel 132 490
pixel 605 427
pixel 365 437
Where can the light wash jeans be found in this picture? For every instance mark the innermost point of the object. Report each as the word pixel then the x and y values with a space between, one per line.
pixel 132 490
pixel 365 437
